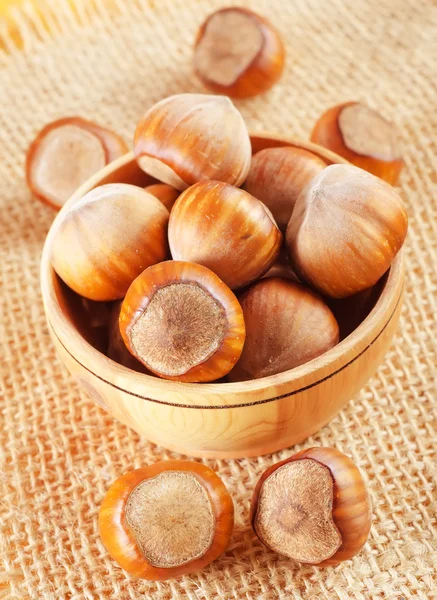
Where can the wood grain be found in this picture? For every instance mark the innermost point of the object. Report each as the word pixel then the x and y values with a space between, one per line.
pixel 224 420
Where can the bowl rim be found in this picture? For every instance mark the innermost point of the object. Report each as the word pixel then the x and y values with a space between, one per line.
pixel 230 394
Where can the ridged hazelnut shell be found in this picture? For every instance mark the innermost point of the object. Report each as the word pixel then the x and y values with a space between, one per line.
pixel 162 275
pixel 120 540
pixel 328 132
pixel 117 350
pixel 165 194
pixel 286 326
pixel 107 238
pixel 188 138
pixel 346 228
pixel 277 176
pixel 226 229
pixel 112 146
pixel 264 64
pixel 351 511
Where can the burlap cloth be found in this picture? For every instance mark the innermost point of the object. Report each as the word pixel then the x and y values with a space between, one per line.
pixel 59 451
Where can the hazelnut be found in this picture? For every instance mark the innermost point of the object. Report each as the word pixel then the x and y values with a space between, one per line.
pixel 182 322
pixel 65 154
pixel 117 350
pixel 165 193
pixel 187 138
pixel 108 238
pixel 362 136
pixel 166 520
pixel 313 508
pixel 226 229
pixel 238 53
pixel 286 326
pixel 278 175
pixel 346 228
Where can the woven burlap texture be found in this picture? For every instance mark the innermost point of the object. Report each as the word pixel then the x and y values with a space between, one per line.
pixel 59 451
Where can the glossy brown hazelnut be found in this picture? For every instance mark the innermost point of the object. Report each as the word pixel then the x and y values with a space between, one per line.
pixel 187 138
pixel 238 53
pixel 226 229
pixel 108 238
pixel 362 136
pixel 165 193
pixel 313 508
pixel 346 228
pixel 182 322
pixel 278 175
pixel 166 520
pixel 286 325
pixel 65 154
pixel 117 350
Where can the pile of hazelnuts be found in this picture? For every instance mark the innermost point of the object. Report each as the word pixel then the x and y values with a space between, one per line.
pixel 229 267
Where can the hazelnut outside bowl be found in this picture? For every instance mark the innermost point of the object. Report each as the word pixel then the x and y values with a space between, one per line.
pixel 223 420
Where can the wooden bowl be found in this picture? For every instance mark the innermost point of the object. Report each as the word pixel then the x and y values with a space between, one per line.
pixel 223 420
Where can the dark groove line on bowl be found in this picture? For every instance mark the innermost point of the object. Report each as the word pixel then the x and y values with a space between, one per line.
pixel 242 405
